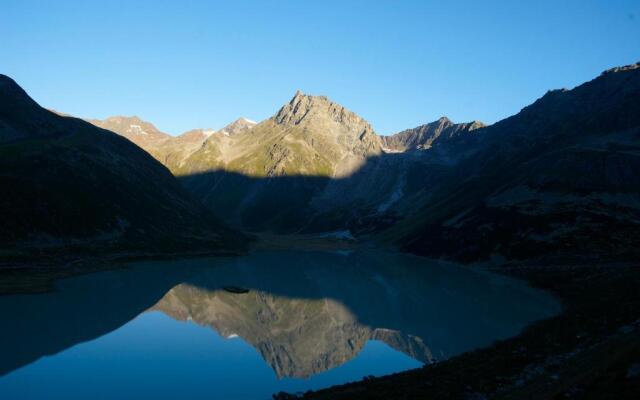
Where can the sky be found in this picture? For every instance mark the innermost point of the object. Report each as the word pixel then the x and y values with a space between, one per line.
pixel 201 64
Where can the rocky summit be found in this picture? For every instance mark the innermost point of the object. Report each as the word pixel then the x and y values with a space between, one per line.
pixel 426 136
pixel 238 126
pixel 133 128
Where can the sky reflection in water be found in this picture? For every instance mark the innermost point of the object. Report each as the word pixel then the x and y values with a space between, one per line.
pixel 310 320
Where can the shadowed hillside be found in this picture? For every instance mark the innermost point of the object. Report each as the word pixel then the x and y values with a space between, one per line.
pixel 73 187
pixel 560 177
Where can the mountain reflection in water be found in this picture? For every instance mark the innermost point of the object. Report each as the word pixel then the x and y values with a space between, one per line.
pixel 305 312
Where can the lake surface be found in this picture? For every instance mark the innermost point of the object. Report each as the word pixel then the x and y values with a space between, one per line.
pixel 309 320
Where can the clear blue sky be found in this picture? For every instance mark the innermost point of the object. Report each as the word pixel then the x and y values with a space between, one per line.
pixel 188 64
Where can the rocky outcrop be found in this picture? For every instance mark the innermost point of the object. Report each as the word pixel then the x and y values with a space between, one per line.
pixel 428 135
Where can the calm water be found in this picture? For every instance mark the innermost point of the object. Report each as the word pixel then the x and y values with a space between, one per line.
pixel 309 320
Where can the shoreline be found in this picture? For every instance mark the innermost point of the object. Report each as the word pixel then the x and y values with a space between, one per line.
pixel 590 350
pixel 549 358
pixel 36 274
pixel 39 275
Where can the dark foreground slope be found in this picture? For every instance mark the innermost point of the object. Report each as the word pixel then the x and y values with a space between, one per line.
pixel 590 351
pixel 559 178
pixel 71 187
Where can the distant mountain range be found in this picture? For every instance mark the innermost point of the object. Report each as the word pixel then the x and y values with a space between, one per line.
pixel 313 166
pixel 169 150
pixel 72 187
pixel 557 179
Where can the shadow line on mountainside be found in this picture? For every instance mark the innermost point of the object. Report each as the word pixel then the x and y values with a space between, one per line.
pixel 361 201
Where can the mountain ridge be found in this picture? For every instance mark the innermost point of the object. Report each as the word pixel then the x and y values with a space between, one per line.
pixel 427 135
pixel 545 181
pixel 316 166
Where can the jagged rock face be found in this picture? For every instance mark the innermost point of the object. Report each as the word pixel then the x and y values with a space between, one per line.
pixel 74 185
pixel 426 136
pixel 338 134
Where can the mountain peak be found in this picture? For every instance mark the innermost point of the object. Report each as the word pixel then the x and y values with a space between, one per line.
pixel 428 135
pixel 239 125
pixel 6 82
pixel 13 99
pixel 132 127
pixel 475 124
pixel 18 107
pixel 305 108
pixel 196 134
pixel 123 118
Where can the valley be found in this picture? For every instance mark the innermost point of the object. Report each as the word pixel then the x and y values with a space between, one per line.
pixel 335 200
pixel 542 183
pixel 548 196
